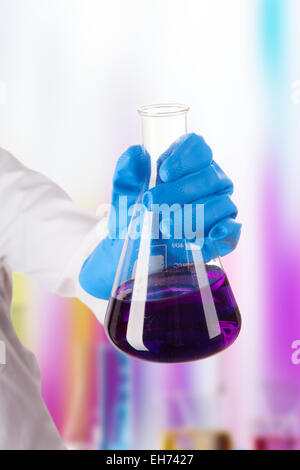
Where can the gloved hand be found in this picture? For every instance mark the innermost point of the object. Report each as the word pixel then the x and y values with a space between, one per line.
pixel 187 174
pixel 98 272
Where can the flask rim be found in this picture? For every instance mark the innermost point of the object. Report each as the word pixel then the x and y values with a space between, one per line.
pixel 163 110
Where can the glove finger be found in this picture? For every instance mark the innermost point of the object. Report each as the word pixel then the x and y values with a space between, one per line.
pixel 197 219
pixel 222 239
pixel 131 173
pixel 187 155
pixel 225 235
pixel 190 188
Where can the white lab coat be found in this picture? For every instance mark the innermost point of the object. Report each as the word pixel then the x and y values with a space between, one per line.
pixel 45 235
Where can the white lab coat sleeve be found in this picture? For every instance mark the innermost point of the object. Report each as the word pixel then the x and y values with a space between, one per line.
pixel 44 234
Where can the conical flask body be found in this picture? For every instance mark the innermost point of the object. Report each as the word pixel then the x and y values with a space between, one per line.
pixel 171 302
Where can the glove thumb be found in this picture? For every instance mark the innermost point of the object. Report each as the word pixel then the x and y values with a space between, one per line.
pixel 131 175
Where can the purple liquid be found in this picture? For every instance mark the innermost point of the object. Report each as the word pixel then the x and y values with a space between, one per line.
pixel 175 327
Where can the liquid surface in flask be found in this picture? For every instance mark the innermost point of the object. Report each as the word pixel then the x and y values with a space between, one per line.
pixel 175 324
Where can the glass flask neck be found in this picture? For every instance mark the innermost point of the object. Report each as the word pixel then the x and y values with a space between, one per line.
pixel 162 124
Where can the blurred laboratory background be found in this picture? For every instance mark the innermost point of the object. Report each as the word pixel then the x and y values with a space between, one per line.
pixel 72 74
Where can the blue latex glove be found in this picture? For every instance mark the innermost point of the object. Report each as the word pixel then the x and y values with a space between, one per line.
pixel 187 174
pixel 98 272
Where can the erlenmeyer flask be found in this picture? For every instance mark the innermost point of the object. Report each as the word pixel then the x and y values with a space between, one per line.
pixel 168 304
